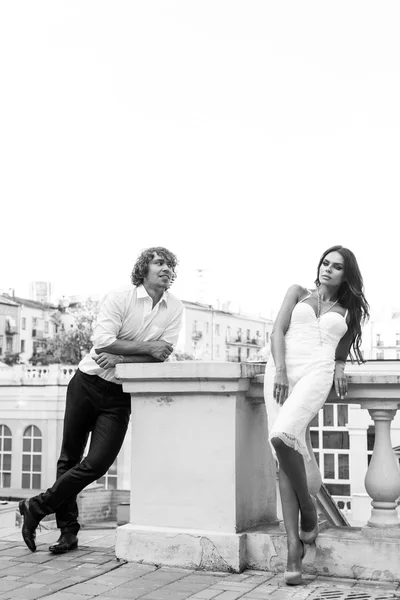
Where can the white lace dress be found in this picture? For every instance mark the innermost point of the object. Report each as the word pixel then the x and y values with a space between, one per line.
pixel 310 368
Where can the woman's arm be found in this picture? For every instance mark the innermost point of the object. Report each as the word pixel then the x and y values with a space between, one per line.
pixel 281 383
pixel 342 352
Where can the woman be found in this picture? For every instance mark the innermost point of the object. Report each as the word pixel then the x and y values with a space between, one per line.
pixel 313 334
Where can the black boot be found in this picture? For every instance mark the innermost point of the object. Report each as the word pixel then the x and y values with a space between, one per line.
pixel 67 541
pixel 29 525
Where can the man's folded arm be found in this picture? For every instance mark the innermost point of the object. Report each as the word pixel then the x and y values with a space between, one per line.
pixel 139 358
pixel 126 347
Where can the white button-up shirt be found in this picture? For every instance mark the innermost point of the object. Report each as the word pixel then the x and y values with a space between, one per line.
pixel 129 315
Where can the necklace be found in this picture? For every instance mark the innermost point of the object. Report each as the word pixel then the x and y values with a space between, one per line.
pixel 319 313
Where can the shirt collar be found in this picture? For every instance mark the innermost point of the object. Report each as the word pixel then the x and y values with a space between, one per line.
pixel 142 293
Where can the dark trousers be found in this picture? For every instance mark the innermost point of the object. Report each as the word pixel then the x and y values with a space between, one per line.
pixel 93 405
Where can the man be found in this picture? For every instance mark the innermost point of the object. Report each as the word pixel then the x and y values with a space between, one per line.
pixel 140 324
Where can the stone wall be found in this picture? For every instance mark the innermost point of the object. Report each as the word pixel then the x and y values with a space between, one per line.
pixel 97 504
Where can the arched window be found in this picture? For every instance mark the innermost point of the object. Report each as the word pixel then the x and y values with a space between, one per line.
pixel 31 458
pixel 5 456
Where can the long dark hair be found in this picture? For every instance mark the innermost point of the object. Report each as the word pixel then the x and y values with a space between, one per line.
pixel 351 296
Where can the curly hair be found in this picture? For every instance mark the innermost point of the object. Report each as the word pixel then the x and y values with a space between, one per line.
pixel 141 266
pixel 351 296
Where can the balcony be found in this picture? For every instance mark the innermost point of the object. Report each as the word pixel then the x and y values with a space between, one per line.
pixel 197 335
pixel 11 326
pixel 234 340
pixel 238 340
pixel 10 329
pixel 176 521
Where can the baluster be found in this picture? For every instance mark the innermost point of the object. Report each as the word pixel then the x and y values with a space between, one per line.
pixel 382 480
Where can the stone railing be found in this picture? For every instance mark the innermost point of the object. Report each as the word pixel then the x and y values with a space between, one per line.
pixel 29 375
pixel 204 481
pixel 378 392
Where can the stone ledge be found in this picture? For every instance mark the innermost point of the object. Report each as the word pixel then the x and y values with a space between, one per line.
pixel 381 533
pixel 190 549
pixel 338 552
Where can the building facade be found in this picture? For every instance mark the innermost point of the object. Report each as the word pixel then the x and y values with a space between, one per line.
pixel 35 324
pixel 209 334
pixel 381 336
pixel 32 405
pixel 9 326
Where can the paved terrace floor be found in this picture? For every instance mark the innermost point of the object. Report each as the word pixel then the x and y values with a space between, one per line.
pixel 92 571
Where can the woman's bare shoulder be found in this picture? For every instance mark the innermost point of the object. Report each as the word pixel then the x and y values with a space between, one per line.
pixel 298 291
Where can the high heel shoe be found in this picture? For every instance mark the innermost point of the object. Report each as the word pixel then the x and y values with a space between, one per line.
pixel 294 577
pixel 308 537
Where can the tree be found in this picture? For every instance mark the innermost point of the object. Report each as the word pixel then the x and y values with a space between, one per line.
pixel 84 319
pixel 70 346
pixel 10 358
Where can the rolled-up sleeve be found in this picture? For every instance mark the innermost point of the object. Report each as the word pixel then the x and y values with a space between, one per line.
pixel 109 320
pixel 171 332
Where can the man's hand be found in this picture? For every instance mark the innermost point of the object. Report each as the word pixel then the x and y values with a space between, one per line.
pixel 160 350
pixel 106 360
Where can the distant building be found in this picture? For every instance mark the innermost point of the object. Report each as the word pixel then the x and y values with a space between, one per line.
pixel 25 324
pixel 40 291
pixel 208 333
pixel 35 324
pixel 211 334
pixel 381 337
pixel 9 326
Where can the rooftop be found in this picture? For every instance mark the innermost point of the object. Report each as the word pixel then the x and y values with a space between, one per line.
pixel 33 303
pixel 92 571
pixel 222 311
pixel 6 300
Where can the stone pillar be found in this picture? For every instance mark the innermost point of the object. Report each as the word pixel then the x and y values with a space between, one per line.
pixel 382 480
pixel 202 471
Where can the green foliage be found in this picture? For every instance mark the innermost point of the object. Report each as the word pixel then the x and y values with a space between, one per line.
pixel 70 346
pixel 10 358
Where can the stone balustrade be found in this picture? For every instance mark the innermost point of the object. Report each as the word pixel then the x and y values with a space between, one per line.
pixel 43 375
pixel 203 478
pixel 379 394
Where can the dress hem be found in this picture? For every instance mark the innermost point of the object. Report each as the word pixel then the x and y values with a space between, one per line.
pixel 292 442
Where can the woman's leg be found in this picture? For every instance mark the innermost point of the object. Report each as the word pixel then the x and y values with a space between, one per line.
pixel 290 510
pixel 292 463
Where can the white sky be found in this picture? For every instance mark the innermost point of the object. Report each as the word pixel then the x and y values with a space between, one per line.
pixel 246 136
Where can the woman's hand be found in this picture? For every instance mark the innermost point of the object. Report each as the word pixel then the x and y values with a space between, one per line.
pixel 281 386
pixel 340 380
